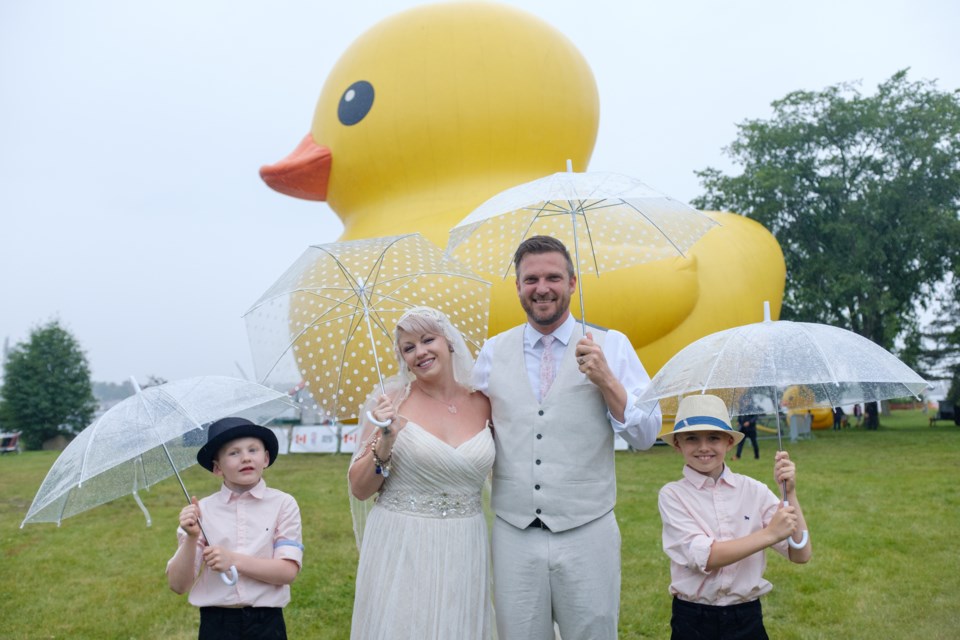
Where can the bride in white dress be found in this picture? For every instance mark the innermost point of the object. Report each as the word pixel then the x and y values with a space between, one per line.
pixel 424 567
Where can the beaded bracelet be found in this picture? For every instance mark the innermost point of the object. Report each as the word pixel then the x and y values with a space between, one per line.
pixel 381 467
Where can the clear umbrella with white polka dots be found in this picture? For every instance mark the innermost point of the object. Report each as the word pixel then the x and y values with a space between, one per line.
pixel 610 221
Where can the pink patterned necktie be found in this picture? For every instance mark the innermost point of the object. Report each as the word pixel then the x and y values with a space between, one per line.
pixel 547 368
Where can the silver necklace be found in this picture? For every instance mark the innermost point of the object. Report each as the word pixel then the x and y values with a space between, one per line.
pixel 452 408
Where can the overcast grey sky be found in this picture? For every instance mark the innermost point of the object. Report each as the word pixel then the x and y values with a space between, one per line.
pixel 131 134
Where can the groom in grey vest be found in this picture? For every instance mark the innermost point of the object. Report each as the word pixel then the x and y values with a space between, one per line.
pixel 558 397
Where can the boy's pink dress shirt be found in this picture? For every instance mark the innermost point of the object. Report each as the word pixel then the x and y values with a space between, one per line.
pixel 261 522
pixel 698 510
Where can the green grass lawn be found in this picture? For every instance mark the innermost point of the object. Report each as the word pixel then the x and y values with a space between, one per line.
pixel 883 509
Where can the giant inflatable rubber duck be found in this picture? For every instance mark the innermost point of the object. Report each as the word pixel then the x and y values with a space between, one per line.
pixel 800 396
pixel 436 109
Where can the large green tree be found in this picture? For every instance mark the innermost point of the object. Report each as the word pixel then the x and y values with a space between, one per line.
pixel 46 386
pixel 863 194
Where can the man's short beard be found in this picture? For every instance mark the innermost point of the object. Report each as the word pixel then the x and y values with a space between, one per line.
pixel 543 322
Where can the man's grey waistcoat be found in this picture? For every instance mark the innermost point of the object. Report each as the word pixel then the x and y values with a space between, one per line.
pixel 555 459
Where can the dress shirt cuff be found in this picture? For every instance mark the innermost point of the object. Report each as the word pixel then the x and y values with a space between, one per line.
pixel 631 415
pixel 700 553
pixel 288 550
pixel 640 427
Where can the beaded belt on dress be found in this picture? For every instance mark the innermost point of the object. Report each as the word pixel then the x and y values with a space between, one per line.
pixel 432 505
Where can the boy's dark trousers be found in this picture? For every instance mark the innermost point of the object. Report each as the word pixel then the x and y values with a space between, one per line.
pixel 244 623
pixel 691 621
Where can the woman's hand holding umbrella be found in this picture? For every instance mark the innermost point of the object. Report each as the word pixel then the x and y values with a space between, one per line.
pixel 383 415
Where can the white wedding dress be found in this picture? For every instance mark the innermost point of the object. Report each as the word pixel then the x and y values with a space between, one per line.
pixel 424 568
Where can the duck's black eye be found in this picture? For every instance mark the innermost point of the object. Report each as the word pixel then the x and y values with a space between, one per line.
pixel 355 103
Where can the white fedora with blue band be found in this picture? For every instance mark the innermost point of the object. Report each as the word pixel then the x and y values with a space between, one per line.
pixel 701 413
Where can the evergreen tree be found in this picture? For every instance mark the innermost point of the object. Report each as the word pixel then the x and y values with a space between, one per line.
pixel 46 387
pixel 937 348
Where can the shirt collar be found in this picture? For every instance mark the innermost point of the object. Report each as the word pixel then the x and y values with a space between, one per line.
pixel 562 333
pixel 227 494
pixel 701 481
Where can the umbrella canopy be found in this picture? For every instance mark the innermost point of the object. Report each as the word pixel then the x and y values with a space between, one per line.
pixel 144 439
pixel 326 326
pixel 621 221
pixel 610 221
pixel 830 366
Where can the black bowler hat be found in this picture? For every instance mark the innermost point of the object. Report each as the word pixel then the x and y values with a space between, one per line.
pixel 226 429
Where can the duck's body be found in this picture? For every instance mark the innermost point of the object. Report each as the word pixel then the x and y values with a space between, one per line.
pixel 436 109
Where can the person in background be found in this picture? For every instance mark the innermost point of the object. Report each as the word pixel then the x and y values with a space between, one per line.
pixel 837 418
pixel 747 424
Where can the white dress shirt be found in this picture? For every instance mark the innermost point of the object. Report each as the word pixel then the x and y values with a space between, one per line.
pixel 641 423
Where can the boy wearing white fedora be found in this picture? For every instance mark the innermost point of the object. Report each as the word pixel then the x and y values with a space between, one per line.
pixel 716 524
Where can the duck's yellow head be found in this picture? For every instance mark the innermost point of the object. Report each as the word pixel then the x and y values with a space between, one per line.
pixel 434 110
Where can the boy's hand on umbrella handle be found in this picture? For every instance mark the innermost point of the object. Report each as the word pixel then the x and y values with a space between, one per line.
pixel 784 522
pixel 785 471
pixel 220 559
pixel 804 538
pixel 190 518
pixel 217 558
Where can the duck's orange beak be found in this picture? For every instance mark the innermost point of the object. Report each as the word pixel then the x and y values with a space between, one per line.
pixel 305 173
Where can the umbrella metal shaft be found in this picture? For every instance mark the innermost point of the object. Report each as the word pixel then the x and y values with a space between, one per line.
pixel 361 295
pixel 186 493
pixel 776 411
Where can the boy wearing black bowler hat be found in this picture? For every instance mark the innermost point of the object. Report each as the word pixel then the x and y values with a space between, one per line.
pixel 246 531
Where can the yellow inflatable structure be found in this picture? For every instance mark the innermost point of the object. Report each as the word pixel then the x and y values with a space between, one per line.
pixel 436 109
pixel 798 395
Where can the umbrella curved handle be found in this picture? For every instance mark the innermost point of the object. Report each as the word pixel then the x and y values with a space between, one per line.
pixel 803 541
pixel 230 577
pixel 383 424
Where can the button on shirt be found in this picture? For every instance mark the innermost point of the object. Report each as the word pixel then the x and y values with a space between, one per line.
pixel 261 522
pixel 698 510
pixel 639 428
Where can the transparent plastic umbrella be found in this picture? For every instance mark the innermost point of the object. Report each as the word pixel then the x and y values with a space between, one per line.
pixel 833 367
pixel 610 221
pixel 326 326
pixel 144 439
